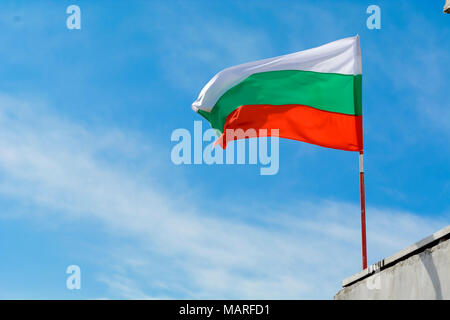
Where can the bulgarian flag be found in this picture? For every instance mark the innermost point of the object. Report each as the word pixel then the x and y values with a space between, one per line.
pixel 312 96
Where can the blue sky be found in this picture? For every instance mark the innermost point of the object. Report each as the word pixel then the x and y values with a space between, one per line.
pixel 85 173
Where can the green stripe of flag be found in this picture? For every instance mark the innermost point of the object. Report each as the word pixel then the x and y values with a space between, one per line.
pixel 332 92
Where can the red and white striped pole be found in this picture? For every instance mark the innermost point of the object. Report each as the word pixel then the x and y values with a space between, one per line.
pixel 363 211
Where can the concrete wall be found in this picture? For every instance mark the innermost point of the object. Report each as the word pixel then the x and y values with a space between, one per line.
pixel 424 274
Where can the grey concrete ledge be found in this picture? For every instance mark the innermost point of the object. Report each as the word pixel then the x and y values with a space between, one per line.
pixel 426 243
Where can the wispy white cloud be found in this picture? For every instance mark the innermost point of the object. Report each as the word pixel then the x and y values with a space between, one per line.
pixel 299 250
pixel 195 45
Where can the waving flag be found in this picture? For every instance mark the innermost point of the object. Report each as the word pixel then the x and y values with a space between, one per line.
pixel 312 96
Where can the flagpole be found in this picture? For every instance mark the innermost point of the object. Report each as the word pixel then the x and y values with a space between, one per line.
pixel 363 211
